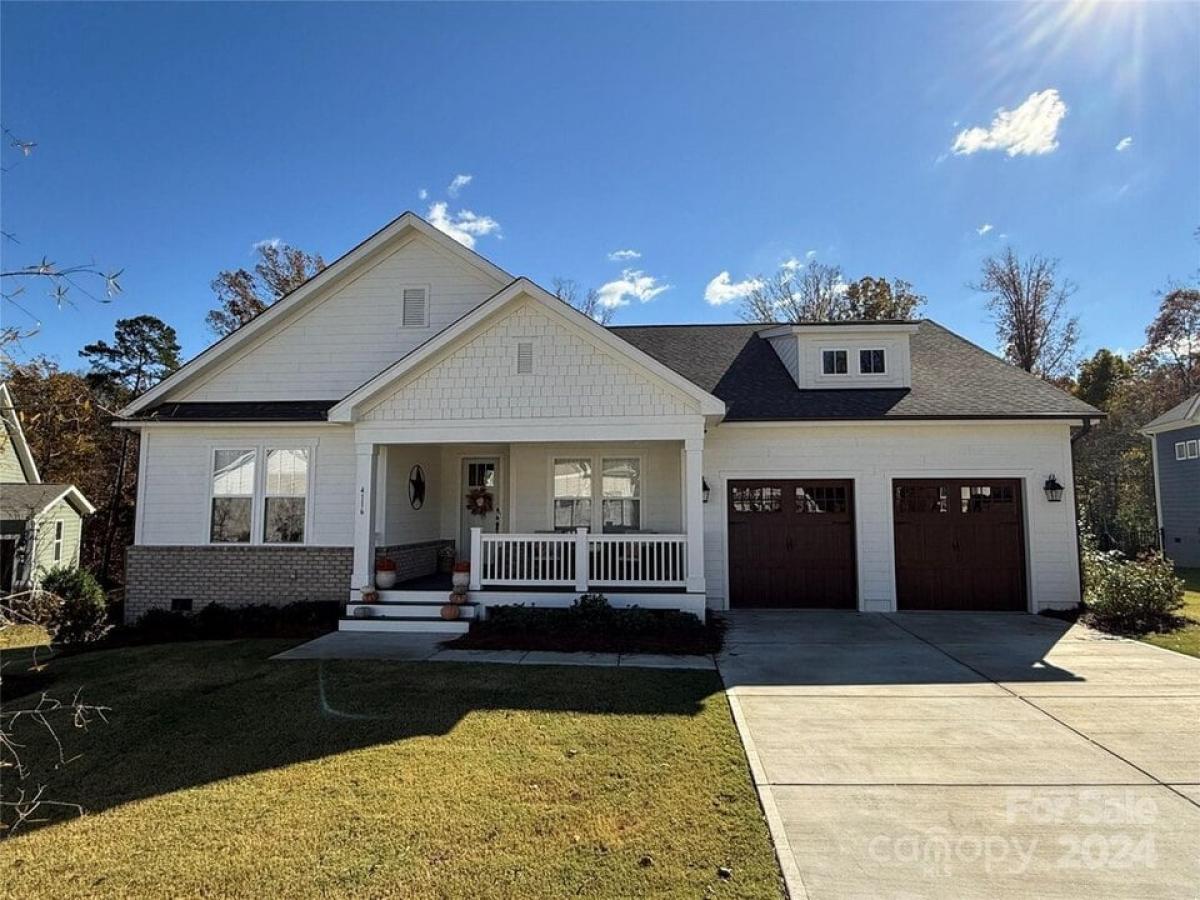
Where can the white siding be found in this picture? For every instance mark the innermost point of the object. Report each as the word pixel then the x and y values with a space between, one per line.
pixel 872 455
pixel 332 347
pixel 788 349
pixel 403 524
pixel 175 489
pixel 810 374
pixel 530 468
pixel 571 377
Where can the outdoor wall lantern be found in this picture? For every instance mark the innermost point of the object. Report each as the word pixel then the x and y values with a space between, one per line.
pixel 705 490
pixel 1054 490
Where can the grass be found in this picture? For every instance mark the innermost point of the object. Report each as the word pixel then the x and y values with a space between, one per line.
pixel 1185 639
pixel 13 637
pixel 222 773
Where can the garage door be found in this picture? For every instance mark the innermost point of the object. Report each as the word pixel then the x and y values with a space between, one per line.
pixel 959 544
pixel 791 544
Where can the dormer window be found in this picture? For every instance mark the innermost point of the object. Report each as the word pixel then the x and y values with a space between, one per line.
pixel 833 362
pixel 871 362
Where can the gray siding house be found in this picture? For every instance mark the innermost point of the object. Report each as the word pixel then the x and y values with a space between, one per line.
pixel 1175 436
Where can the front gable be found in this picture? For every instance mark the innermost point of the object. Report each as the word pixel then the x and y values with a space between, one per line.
pixel 341 326
pixel 528 362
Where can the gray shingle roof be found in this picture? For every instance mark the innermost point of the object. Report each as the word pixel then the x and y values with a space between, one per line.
pixel 1180 415
pixel 951 378
pixel 241 410
pixel 19 501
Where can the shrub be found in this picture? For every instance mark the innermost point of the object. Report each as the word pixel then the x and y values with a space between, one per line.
pixel 592 623
pixel 82 615
pixel 1130 596
pixel 215 621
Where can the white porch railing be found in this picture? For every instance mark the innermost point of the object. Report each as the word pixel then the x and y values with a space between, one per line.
pixel 578 560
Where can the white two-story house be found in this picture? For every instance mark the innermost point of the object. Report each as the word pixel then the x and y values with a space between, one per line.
pixel 414 396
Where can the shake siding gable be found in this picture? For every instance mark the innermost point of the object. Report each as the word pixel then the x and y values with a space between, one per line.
pixel 572 377
pixel 328 349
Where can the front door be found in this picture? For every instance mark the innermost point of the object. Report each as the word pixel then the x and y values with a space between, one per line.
pixel 791 544
pixel 479 502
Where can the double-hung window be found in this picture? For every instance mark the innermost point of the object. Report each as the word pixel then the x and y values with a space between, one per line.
pixel 572 493
pixel 621 484
pixel 284 496
pixel 612 503
pixel 232 496
pixel 58 541
pixel 259 495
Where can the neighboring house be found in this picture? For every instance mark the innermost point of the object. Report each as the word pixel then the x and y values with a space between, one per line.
pixel 1175 442
pixel 40 524
pixel 862 465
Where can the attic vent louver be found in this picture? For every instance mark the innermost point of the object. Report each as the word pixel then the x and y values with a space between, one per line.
pixel 415 310
pixel 524 358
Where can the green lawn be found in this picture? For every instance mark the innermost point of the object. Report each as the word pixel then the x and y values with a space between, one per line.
pixel 222 773
pixel 1187 639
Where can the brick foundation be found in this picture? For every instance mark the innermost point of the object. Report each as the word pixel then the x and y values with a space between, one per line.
pixel 414 560
pixel 234 575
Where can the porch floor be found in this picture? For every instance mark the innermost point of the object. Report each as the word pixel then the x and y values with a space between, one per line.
pixel 440 581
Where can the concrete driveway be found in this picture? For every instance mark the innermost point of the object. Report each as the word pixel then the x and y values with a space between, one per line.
pixel 965 755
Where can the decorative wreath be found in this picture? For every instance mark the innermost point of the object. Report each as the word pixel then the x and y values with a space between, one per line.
pixel 480 502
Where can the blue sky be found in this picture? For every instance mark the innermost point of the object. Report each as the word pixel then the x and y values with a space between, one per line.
pixel 709 139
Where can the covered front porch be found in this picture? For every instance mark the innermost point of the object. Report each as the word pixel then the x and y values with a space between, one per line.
pixel 538 522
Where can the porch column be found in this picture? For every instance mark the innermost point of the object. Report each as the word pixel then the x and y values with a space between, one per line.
pixel 364 515
pixel 693 453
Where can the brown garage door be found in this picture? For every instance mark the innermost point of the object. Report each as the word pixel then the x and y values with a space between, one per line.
pixel 791 544
pixel 959 544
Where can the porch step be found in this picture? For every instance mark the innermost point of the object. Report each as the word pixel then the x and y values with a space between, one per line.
pixel 428 626
pixel 407 610
pixel 401 596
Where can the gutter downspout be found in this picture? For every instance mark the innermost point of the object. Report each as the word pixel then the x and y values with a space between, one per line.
pixel 1087 427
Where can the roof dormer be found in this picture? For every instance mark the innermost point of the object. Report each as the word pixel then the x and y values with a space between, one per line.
pixel 845 355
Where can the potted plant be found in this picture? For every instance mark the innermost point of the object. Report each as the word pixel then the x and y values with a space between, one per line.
pixel 385 573
pixel 460 576
pixel 446 558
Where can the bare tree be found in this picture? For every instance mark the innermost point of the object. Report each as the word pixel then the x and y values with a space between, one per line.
pixel 812 293
pixel 587 302
pixel 1174 335
pixel 60 280
pixel 1028 302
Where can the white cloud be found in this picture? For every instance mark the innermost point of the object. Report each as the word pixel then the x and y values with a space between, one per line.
pixel 723 289
pixel 632 285
pixel 459 182
pixel 790 265
pixel 623 255
pixel 1030 129
pixel 810 254
pixel 1124 144
pixel 273 242
pixel 423 194
pixel 464 226
pixel 983 229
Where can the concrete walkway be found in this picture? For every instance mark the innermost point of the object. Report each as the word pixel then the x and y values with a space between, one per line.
pixel 963 755
pixel 428 648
